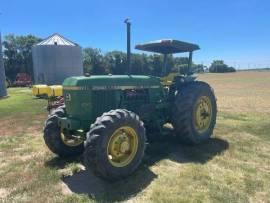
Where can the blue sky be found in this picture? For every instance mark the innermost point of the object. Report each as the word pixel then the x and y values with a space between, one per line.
pixel 237 31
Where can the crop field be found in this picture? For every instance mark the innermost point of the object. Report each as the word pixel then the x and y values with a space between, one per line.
pixel 234 166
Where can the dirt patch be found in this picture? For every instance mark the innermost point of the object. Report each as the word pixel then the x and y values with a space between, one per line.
pixel 30 156
pixel 10 126
pixel 4 193
pixel 37 124
pixel 26 157
pixel 35 129
pixel 22 125
pixel 65 189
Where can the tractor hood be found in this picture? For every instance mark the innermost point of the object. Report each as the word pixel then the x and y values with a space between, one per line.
pixel 104 82
pixel 86 98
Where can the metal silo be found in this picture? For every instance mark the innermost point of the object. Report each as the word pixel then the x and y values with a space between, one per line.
pixel 3 89
pixel 55 59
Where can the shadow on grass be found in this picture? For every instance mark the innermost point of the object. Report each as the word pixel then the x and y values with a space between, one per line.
pixel 182 153
pixel 85 182
pixel 60 163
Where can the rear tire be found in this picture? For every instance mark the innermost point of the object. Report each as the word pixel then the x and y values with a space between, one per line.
pixel 103 149
pixel 53 138
pixel 194 112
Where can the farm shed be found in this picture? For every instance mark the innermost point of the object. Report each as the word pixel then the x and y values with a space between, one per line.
pixel 3 89
pixel 55 59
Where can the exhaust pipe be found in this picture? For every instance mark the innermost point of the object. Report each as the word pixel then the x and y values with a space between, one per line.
pixel 128 23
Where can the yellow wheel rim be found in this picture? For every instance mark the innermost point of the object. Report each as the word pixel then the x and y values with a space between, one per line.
pixel 122 146
pixel 71 142
pixel 202 114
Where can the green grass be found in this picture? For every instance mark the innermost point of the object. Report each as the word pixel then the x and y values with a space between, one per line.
pixel 234 166
pixel 21 101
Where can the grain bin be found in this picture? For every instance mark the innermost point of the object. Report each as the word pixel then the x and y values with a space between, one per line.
pixel 3 89
pixel 55 59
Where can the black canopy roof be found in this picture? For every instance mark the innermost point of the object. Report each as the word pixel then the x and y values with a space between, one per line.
pixel 167 46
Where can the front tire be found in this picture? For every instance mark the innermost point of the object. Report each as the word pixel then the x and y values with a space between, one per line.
pixel 115 144
pixel 194 112
pixel 57 141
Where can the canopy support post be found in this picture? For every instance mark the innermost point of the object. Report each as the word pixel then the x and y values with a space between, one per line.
pixel 189 71
pixel 165 57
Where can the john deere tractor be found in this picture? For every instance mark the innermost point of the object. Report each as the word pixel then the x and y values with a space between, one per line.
pixel 106 117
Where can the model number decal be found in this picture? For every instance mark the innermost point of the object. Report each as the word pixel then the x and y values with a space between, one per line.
pixel 68 97
pixel 122 87
pixel 112 87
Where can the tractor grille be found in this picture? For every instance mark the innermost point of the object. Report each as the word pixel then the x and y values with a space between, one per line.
pixel 103 101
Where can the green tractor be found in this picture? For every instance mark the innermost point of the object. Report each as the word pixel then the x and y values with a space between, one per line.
pixel 105 118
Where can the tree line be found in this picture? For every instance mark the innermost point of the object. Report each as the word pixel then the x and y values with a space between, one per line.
pixel 218 66
pixel 115 62
pixel 17 55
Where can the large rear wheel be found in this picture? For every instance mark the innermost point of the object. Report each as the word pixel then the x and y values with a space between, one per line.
pixel 115 144
pixel 194 112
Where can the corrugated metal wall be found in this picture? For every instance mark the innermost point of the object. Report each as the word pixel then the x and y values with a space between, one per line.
pixel 3 89
pixel 53 63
